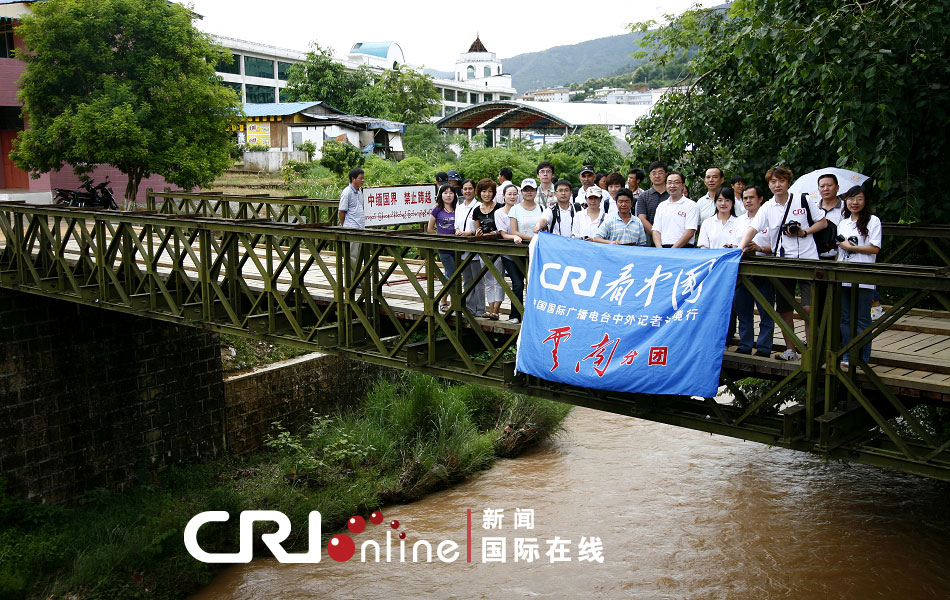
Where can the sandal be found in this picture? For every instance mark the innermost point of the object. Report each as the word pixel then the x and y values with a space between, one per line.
pixel 492 316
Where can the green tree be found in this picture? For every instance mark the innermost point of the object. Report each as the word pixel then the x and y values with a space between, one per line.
pixel 320 78
pixel 594 146
pixel 399 94
pixel 340 157
pixel 486 162
pixel 427 141
pixel 862 86
pixel 129 83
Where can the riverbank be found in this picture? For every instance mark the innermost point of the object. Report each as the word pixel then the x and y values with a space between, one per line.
pixel 409 437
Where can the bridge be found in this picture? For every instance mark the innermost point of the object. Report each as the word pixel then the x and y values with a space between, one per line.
pixel 277 269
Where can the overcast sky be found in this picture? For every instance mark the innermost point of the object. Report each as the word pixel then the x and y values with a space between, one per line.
pixel 506 27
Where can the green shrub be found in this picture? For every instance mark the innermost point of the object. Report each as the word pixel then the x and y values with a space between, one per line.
pixel 256 148
pixel 340 157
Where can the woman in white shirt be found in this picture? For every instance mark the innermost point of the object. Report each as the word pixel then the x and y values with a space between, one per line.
pixel 504 222
pixel 587 222
pixel 719 230
pixel 859 240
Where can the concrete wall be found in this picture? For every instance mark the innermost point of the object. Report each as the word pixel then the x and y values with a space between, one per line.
pixel 270 162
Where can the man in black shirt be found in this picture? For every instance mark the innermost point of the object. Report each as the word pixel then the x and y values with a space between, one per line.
pixel 650 199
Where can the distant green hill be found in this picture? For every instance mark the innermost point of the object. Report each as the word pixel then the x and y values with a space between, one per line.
pixel 564 65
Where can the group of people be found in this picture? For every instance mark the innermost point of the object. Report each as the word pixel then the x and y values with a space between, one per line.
pixel 611 209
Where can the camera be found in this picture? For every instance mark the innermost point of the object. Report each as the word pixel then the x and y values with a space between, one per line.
pixel 839 238
pixel 792 228
pixel 853 239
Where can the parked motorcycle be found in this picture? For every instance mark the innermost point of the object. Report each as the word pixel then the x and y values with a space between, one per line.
pixel 91 196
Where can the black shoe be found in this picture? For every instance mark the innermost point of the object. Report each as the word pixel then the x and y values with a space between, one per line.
pixel 764 353
pixel 741 351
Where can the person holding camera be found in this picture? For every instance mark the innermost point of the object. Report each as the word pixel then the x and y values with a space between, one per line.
pixel 794 220
pixel 859 240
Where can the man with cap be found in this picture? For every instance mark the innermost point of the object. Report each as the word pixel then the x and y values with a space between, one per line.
pixel 455 180
pixel 441 178
pixel 587 180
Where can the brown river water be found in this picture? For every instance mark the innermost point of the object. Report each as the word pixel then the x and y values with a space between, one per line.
pixel 680 514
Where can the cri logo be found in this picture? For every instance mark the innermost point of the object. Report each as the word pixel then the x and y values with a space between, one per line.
pixel 579 276
pixel 682 213
pixel 340 547
pixel 798 211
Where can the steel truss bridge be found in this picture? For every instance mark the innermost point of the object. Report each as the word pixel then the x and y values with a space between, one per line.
pixel 277 269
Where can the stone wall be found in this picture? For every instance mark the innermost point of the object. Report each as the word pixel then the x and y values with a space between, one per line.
pixel 287 392
pixel 95 398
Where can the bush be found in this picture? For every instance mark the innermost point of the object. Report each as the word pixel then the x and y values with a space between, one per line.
pixel 340 157
pixel 256 148
pixel 486 162
pixel 309 147
pixel 409 171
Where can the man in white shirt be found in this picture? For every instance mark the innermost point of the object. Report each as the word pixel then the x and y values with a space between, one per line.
pixel 788 218
pixel 830 205
pixel 559 219
pixel 714 180
pixel 677 218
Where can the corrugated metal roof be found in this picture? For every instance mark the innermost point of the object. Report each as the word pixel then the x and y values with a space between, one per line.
pixel 281 109
pixel 523 114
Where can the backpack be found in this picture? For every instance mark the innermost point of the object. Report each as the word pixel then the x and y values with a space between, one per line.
pixel 556 215
pixel 825 239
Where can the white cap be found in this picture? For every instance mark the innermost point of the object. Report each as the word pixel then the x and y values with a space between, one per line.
pixel 594 191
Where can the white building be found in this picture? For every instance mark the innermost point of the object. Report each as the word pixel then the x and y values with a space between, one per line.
pixel 259 72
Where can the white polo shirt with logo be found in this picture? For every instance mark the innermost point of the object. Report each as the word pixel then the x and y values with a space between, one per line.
pixel 770 216
pixel 672 219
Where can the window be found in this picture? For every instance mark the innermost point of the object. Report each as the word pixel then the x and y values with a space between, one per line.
pixel 6 39
pixel 450 110
pixel 470 72
pixel 504 97
pixel 260 94
pixel 487 71
pixel 234 68
pixel 234 86
pixel 474 97
pixel 258 67
pixel 488 97
pixel 450 95
pixel 283 70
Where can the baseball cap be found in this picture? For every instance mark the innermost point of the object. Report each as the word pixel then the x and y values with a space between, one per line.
pixel 529 183
pixel 595 191
pixel 455 176
pixel 587 169
pixel 441 177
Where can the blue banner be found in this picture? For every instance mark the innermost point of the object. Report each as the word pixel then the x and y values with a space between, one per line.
pixel 627 318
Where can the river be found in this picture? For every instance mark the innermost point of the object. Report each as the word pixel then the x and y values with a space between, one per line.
pixel 680 514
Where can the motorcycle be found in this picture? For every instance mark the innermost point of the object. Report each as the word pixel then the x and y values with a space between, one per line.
pixel 92 196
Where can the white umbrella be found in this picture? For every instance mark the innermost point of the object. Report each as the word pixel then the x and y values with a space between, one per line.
pixel 808 184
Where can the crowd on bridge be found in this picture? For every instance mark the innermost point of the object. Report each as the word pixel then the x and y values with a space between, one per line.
pixel 611 209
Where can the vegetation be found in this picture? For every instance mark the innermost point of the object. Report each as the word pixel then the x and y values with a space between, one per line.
pixel 128 83
pixel 811 85
pixel 410 437
pixel 239 353
pixel 398 94
pixel 650 75
pixel 340 157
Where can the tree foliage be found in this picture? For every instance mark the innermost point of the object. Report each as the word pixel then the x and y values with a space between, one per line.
pixel 129 83
pixel 594 146
pixel 427 141
pixel 399 94
pixel 812 84
pixel 340 157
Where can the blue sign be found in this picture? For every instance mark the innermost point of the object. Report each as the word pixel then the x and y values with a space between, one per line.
pixel 627 318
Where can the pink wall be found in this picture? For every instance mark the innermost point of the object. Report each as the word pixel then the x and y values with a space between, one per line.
pixel 65 178
pixel 10 71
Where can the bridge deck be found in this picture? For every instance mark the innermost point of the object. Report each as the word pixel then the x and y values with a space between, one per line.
pixel 912 357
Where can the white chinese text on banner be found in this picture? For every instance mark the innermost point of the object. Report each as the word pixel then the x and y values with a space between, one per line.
pixel 627 318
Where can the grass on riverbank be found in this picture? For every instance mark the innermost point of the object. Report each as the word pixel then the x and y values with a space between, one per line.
pixel 409 438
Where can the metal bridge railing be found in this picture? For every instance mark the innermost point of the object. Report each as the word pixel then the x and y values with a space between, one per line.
pixel 309 285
